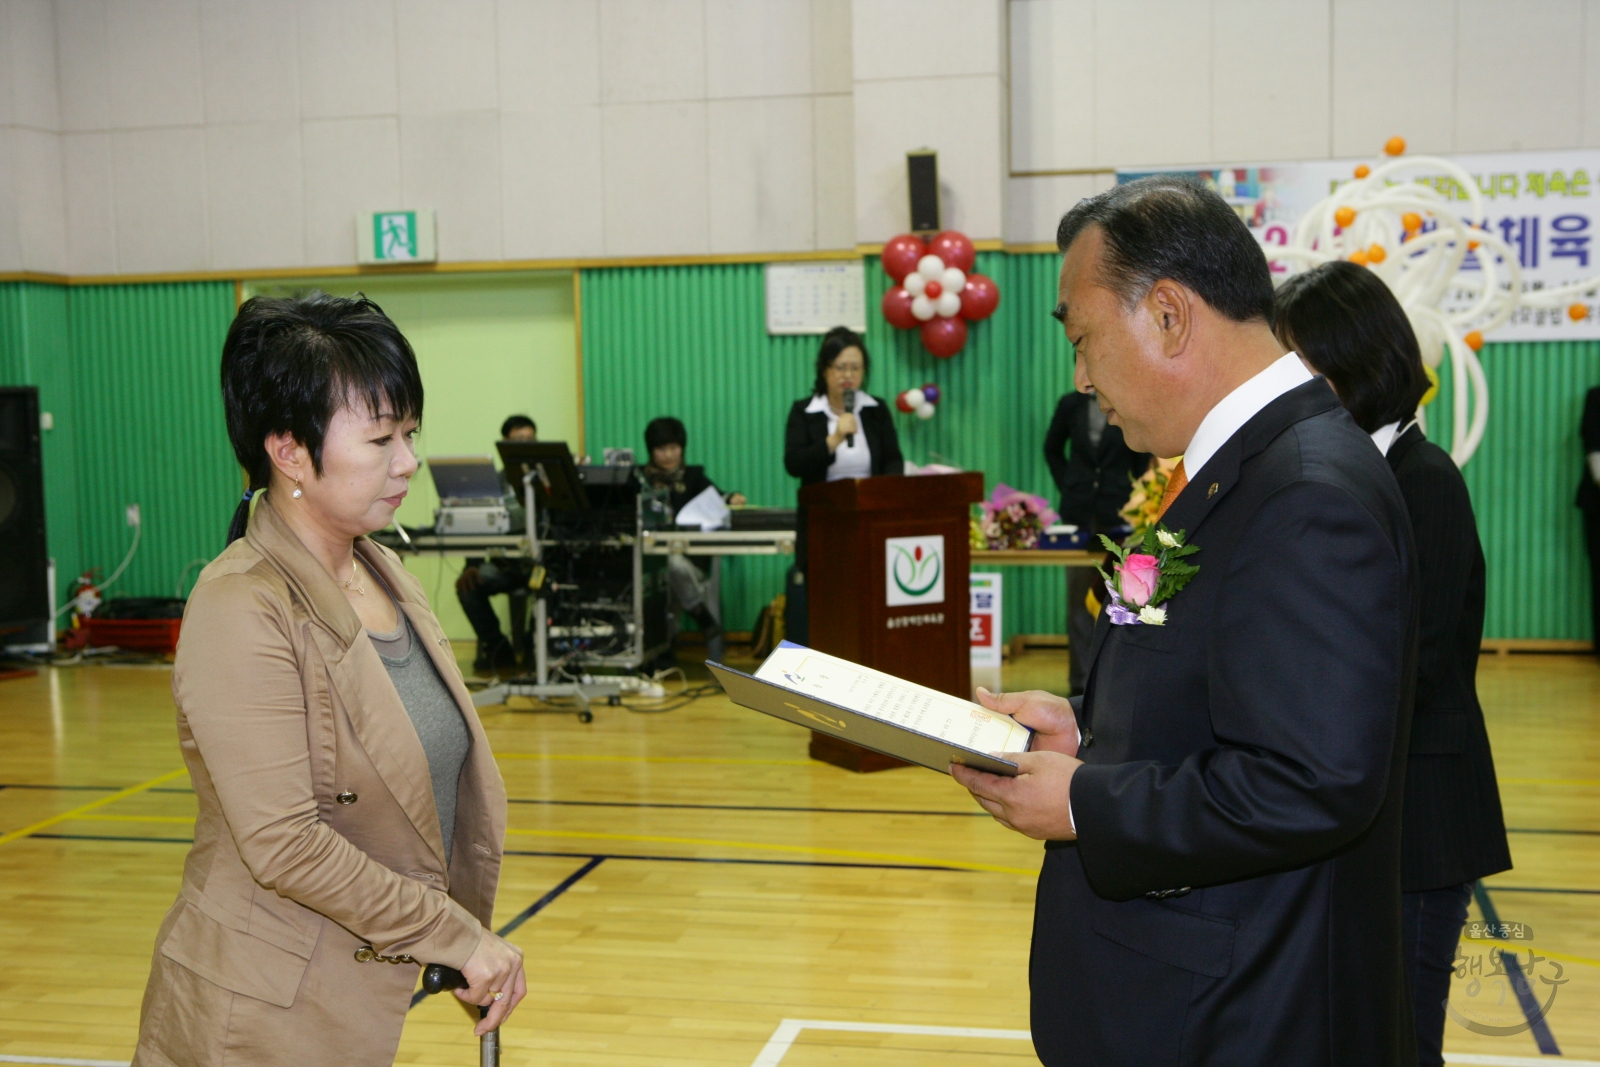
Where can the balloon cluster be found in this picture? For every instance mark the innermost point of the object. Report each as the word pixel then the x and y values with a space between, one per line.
pixel 920 401
pixel 1418 241
pixel 935 290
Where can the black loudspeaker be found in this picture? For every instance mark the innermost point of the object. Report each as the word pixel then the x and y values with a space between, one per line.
pixel 24 552
pixel 922 176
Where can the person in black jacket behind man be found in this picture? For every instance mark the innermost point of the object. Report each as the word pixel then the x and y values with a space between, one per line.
pixel 1346 324
pixel 1221 878
pixel 1095 481
pixel 1589 501
pixel 827 440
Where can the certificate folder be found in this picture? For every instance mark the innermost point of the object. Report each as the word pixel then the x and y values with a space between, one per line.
pixel 879 698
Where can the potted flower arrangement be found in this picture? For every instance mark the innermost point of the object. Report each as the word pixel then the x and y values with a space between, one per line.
pixel 1011 518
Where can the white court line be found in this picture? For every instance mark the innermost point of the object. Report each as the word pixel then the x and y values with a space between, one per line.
pixel 788 1031
pixel 57 1061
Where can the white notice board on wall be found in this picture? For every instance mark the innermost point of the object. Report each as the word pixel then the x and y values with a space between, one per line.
pixel 816 297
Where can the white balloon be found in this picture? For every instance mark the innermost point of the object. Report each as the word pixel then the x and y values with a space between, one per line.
pixel 925 412
pixel 949 303
pixel 953 280
pixel 915 283
pixel 910 397
pixel 923 308
pixel 930 267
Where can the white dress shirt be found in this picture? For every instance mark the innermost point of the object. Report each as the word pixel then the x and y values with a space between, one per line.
pixel 1239 407
pixel 1385 436
pixel 849 460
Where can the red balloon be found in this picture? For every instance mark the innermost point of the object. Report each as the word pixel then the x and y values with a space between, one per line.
pixel 897 309
pixel 903 404
pixel 979 297
pixel 944 337
pixel 933 291
pixel 955 249
pixel 901 254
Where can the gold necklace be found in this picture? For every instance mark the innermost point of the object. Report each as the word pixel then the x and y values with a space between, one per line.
pixel 355 573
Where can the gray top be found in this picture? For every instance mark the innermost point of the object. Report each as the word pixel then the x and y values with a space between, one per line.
pixel 434 713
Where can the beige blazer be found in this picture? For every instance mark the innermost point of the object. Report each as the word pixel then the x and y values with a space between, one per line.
pixel 317 833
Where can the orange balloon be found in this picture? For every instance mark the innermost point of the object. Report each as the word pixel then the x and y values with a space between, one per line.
pixel 1362 170
pixel 1474 340
pixel 1377 254
pixel 1345 215
pixel 1394 146
pixel 1359 256
pixel 1411 221
pixel 1577 312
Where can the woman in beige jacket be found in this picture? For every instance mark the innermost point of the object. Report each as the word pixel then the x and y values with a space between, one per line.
pixel 351 813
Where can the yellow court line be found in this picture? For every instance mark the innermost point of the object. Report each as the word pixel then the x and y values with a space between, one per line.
pixel 1518 946
pixel 14 835
pixel 1550 781
pixel 649 759
pixel 881 857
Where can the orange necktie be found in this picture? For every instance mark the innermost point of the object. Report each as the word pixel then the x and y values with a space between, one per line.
pixel 1175 483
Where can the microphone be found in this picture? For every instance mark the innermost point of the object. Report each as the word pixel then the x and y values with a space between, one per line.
pixel 850 407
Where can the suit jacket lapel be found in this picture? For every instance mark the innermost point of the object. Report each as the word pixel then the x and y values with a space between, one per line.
pixel 376 714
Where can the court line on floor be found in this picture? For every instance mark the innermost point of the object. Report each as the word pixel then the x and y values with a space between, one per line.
pixel 739 860
pixel 1541 830
pixel 58 1061
pixel 533 909
pixel 123 794
pixel 1531 1010
pixel 747 807
pixel 789 1030
pixel 609 758
pixel 655 839
pixel 1550 781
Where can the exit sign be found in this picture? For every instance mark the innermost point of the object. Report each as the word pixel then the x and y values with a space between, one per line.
pixel 396 237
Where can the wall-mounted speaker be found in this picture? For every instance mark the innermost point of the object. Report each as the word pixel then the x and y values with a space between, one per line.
pixel 24 552
pixel 922 177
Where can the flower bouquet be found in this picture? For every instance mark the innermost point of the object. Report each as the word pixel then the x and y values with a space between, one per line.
pixel 1144 505
pixel 1011 518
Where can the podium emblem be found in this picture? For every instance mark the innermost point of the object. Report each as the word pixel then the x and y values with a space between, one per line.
pixel 914 570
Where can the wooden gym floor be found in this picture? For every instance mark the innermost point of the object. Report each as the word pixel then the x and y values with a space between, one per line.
pixel 690 889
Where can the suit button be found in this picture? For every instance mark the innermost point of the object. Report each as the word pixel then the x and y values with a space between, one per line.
pixel 346 797
pixel 1085 741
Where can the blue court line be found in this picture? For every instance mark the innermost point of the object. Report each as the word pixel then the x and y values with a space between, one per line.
pixel 533 909
pixel 1519 981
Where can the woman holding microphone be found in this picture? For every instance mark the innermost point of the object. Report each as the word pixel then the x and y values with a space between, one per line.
pixel 839 431
pixel 350 811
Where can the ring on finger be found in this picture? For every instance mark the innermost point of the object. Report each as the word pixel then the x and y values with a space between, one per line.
pixel 497 994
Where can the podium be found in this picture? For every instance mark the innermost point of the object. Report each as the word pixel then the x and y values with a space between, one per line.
pixel 887 585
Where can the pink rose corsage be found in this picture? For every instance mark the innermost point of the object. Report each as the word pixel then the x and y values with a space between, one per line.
pixel 1146 576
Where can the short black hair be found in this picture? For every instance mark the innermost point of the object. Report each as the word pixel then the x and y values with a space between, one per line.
pixel 835 341
pixel 290 363
pixel 665 431
pixel 1171 226
pixel 1348 325
pixel 517 422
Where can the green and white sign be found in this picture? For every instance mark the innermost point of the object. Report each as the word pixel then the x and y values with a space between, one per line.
pixel 396 237
pixel 914 570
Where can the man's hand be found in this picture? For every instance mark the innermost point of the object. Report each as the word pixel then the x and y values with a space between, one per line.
pixel 1050 717
pixel 736 499
pixel 1036 803
pixel 468 580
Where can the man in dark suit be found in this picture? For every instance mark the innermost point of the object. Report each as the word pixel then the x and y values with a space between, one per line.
pixel 1221 809
pixel 1095 483
pixel 1589 501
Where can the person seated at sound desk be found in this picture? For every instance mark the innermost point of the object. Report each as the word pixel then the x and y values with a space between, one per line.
pixel 484 578
pixel 689 577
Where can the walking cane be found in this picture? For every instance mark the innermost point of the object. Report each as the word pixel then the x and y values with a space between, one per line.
pixel 436 978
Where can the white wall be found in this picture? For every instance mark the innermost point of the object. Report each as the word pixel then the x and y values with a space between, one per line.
pixel 236 134
pixel 1111 83
pixel 32 217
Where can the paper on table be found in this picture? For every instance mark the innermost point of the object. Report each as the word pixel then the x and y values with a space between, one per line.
pixel 883 696
pixel 707 511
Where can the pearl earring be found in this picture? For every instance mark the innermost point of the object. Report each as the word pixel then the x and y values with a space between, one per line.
pixel 298 491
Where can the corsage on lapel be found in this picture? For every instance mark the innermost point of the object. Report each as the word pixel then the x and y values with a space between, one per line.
pixel 1146 579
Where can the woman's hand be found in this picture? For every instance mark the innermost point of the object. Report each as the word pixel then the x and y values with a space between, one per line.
pixel 1050 717
pixel 495 967
pixel 847 426
pixel 737 499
